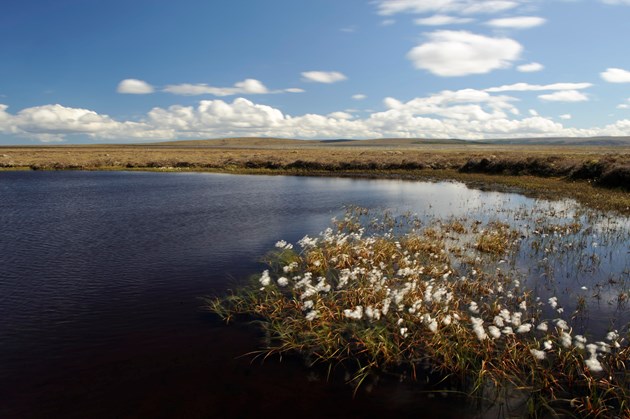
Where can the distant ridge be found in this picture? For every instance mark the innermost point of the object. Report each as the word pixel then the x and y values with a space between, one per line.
pixel 266 142
pixel 586 141
pixel 240 142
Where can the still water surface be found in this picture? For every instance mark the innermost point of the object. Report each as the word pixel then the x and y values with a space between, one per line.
pixel 101 274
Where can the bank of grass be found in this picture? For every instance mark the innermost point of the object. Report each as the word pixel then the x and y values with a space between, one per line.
pixel 595 176
pixel 376 295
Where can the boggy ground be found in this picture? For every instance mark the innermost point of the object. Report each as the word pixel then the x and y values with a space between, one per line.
pixel 598 176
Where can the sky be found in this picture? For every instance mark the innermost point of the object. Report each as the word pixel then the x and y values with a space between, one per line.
pixel 132 71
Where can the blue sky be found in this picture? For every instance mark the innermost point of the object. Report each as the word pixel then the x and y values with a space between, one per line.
pixel 85 71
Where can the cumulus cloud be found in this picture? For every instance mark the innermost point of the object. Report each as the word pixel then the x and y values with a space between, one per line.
pixel 391 7
pixel 518 22
pixel 564 96
pixel 55 122
pixel 340 115
pixel 323 76
pixel 466 113
pixel 460 53
pixel 247 86
pixel 530 68
pixel 526 87
pixel 441 20
pixel 134 87
pixel 616 75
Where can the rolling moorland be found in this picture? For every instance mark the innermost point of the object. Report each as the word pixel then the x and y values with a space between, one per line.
pixel 594 171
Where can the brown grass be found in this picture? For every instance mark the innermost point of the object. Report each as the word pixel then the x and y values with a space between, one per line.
pixel 598 176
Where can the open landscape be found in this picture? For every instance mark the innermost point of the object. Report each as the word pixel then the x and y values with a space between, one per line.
pixel 315 209
pixel 593 171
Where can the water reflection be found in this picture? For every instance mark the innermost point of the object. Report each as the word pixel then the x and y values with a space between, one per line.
pixel 101 274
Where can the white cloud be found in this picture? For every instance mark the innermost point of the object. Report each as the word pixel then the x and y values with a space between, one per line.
pixel 526 87
pixel 340 115
pixel 440 20
pixel 564 96
pixel 466 113
pixel 616 75
pixel 566 116
pixel 134 87
pixel 388 22
pixel 359 96
pixel 294 90
pixel 623 106
pixel 533 112
pixel 55 119
pixel 460 53
pixel 247 86
pixel 391 7
pixel 519 22
pixel 54 122
pixel 530 68
pixel 323 76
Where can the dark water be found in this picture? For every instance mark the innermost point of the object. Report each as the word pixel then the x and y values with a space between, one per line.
pixel 100 279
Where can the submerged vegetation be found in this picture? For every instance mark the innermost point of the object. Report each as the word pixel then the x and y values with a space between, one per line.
pixel 475 306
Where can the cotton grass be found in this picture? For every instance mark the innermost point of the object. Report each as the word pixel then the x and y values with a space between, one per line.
pixel 438 299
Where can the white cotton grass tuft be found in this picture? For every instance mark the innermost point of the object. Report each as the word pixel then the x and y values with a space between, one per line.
pixel 430 322
pixel 403 332
pixel 593 364
pixel 473 307
pixel 478 328
pixel 290 267
pixel 372 313
pixel 281 244
pixel 561 324
pixel 265 279
pixel 312 315
pixel 499 321
pixel 579 342
pixel 565 339
pixel 538 354
pixel 494 331
pixel 355 314
pixel 283 281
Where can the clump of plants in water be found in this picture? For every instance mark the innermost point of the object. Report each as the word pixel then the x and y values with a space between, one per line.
pixel 384 295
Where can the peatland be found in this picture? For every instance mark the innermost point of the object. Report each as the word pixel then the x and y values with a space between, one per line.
pixel 595 172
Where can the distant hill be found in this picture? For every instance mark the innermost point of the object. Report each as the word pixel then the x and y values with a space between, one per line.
pixel 272 142
pixel 265 142
pixel 235 142
pixel 587 141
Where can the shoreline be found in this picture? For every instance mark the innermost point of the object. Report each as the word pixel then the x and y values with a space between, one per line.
pixel 596 176
pixel 549 188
